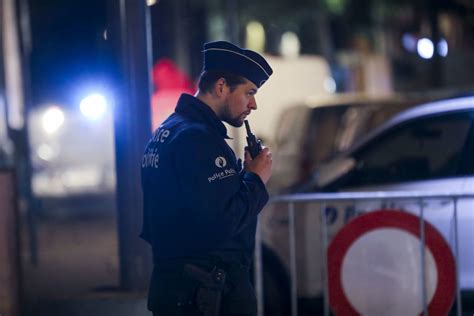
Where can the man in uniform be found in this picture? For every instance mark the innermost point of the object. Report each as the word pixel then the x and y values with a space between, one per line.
pixel 200 204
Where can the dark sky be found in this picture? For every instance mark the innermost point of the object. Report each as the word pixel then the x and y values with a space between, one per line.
pixel 68 49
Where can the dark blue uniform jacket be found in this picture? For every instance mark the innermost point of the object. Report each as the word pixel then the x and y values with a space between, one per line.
pixel 196 198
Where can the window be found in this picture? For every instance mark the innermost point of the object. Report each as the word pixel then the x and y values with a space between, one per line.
pixel 426 148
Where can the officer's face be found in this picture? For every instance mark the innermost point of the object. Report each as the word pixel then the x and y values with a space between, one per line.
pixel 239 103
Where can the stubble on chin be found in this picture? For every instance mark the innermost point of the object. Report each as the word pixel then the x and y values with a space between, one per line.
pixel 226 116
pixel 235 122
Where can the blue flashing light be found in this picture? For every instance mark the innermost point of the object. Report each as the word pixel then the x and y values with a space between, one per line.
pixel 93 106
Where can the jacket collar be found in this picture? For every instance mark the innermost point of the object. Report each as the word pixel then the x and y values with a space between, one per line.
pixel 195 109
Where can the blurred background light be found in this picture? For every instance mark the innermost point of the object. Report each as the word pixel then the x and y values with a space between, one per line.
pixel 336 6
pixel 255 36
pixel 409 42
pixel 53 119
pixel 443 47
pixel 45 152
pixel 330 85
pixel 93 106
pixel 425 48
pixel 150 2
pixel 290 45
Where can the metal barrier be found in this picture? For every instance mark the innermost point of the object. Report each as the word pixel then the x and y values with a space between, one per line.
pixel 322 199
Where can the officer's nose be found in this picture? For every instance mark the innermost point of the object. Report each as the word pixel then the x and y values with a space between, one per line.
pixel 253 103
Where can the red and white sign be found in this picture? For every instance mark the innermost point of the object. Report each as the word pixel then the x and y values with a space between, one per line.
pixel 374 267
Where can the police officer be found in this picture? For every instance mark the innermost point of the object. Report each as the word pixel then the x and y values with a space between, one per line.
pixel 200 204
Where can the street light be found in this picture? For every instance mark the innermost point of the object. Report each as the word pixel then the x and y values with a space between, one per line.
pixel 425 48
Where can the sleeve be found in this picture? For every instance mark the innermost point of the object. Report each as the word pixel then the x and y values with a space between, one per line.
pixel 214 191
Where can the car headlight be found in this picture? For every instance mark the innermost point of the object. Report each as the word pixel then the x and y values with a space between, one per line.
pixel 52 120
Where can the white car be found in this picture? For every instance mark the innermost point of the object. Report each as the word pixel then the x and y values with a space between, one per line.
pixel 427 148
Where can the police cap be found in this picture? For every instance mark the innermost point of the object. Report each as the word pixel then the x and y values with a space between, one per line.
pixel 225 56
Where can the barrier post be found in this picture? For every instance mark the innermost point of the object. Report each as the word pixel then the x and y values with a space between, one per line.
pixel 293 272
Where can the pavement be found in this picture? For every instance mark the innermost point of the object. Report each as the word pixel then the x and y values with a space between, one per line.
pixel 77 270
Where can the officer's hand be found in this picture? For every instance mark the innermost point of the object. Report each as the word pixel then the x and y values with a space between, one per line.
pixel 261 165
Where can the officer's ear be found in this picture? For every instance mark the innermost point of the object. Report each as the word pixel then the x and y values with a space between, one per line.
pixel 220 87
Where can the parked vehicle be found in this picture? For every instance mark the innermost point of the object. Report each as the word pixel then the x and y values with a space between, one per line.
pixel 427 148
pixel 313 132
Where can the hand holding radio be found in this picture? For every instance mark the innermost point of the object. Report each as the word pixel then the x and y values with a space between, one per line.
pixel 258 159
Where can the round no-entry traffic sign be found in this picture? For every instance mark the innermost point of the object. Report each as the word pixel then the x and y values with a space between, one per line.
pixel 374 267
